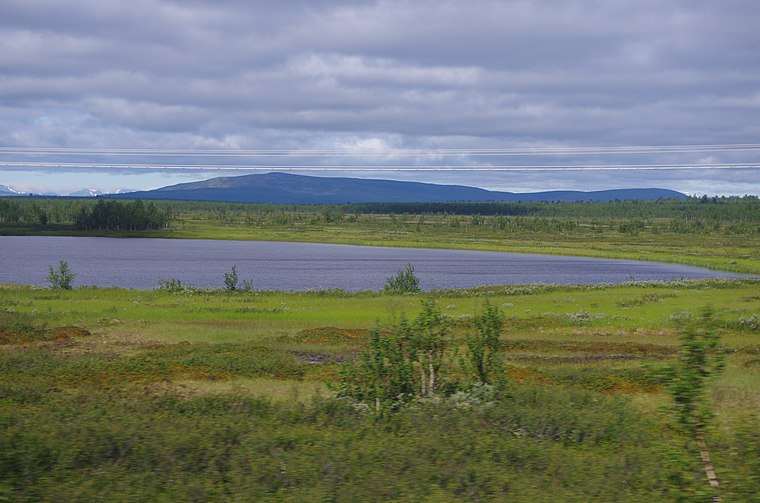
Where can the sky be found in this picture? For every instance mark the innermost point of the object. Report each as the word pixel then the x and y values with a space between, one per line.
pixel 507 95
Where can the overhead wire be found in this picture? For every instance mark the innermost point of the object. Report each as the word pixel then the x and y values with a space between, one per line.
pixel 445 159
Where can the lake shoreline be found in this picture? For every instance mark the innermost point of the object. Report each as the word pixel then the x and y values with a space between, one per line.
pixel 558 247
pixel 293 266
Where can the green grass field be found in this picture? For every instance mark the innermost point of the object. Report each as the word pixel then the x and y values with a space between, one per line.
pixel 123 395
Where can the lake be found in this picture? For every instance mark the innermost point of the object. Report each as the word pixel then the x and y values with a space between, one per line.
pixel 142 263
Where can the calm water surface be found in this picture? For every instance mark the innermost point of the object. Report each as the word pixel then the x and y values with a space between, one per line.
pixel 142 263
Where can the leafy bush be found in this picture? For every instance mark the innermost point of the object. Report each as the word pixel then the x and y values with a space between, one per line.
pixel 61 277
pixel 700 358
pixel 383 376
pixel 483 358
pixel 429 339
pixel 231 280
pixel 404 281
pixel 232 283
pixel 397 366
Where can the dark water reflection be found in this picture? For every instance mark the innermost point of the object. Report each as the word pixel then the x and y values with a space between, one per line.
pixel 141 263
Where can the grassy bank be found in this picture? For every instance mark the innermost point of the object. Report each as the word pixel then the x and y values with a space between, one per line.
pixel 123 395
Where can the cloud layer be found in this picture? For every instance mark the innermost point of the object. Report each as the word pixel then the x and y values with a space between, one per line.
pixel 384 74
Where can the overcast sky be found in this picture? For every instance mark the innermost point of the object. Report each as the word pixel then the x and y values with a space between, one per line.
pixel 382 78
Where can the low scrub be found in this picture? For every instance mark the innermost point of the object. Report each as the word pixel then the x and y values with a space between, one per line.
pixel 127 447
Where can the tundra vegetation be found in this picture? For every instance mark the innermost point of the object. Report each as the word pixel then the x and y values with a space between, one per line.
pixel 191 394
pixel 520 393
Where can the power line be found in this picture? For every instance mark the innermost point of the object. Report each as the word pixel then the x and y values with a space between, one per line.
pixel 227 167
pixel 425 152
pixel 446 159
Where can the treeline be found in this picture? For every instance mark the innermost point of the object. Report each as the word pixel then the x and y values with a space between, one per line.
pixel 85 214
pixel 745 208
pixel 38 210
pixel 118 216
pixel 688 215
pixel 727 209
pixel 10 212
pixel 41 210
pixel 480 208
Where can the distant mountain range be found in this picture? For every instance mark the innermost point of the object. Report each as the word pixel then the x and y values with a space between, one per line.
pixel 285 188
pixel 6 191
pixel 87 193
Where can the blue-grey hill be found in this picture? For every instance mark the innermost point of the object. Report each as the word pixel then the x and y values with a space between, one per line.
pixel 286 188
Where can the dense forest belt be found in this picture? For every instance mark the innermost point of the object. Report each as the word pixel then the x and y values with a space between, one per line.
pixel 718 233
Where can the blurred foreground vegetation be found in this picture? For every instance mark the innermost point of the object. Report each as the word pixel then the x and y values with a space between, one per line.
pixel 200 395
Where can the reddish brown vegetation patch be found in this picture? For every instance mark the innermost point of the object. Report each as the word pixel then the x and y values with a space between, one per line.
pixel 523 375
pixel 752 363
pixel 616 349
pixel 68 332
pixel 583 358
pixel 57 334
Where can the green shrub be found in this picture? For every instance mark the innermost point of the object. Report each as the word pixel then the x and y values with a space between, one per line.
pixel 61 277
pixel 231 280
pixel 700 358
pixel 404 281
pixel 400 365
pixel 383 377
pixel 483 358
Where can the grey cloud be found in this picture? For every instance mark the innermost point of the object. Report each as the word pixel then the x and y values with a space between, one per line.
pixel 445 73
